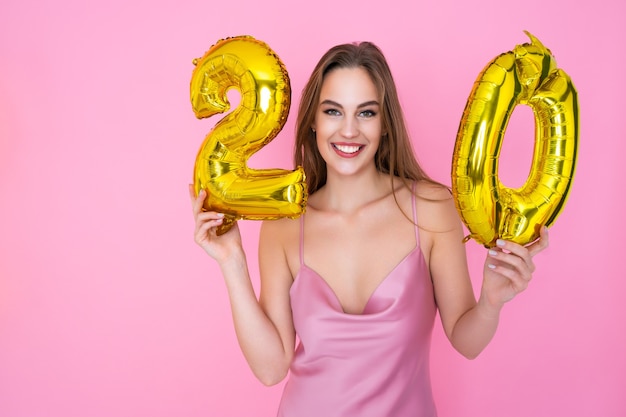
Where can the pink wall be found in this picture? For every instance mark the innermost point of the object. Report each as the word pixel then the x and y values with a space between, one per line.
pixel 107 307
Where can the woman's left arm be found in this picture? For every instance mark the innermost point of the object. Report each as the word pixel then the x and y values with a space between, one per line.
pixel 508 269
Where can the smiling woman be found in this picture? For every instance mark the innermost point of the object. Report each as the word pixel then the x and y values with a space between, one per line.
pixel 359 278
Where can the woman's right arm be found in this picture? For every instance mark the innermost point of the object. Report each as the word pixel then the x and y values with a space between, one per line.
pixel 264 329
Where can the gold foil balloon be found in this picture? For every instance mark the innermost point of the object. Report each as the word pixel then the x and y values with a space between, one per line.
pixel 527 75
pixel 221 168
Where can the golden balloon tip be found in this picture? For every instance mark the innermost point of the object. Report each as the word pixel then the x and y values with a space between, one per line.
pixel 534 40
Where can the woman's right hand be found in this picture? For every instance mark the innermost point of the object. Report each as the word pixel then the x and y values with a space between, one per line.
pixel 220 248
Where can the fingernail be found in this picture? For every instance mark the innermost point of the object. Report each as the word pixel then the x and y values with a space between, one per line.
pixel 491 266
pixel 492 252
pixel 500 242
pixel 220 214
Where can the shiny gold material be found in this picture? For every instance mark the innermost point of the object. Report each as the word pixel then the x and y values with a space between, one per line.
pixel 527 75
pixel 221 167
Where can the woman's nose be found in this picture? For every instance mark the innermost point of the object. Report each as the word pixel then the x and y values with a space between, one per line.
pixel 349 128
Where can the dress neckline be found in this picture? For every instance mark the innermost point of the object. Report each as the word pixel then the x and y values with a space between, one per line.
pixel 325 283
pixel 339 306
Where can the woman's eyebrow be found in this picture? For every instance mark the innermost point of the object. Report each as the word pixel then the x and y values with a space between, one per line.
pixel 331 103
pixel 367 103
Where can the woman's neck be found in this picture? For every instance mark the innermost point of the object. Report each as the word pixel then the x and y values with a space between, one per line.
pixel 347 194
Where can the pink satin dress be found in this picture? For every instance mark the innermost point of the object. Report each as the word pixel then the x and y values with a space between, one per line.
pixel 374 364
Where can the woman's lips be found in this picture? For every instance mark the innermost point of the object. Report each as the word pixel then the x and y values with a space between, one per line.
pixel 347 150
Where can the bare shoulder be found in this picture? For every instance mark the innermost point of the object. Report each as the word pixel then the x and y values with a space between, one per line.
pixel 280 231
pixel 432 191
pixel 279 243
pixel 435 206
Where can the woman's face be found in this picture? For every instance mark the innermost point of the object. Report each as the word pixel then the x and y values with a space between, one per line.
pixel 347 121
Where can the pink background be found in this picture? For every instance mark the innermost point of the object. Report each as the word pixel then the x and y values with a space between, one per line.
pixel 107 307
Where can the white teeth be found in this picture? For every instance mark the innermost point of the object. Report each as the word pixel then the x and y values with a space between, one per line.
pixel 347 149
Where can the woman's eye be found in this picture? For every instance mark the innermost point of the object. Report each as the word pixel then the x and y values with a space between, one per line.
pixel 368 113
pixel 332 112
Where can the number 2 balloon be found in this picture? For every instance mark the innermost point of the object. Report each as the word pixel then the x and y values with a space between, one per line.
pixel 221 168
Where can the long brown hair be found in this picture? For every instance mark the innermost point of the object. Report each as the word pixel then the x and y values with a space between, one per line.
pixel 395 154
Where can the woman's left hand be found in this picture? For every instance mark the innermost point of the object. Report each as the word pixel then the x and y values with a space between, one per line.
pixel 509 268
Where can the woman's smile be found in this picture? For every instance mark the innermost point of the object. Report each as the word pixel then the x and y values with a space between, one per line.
pixel 347 150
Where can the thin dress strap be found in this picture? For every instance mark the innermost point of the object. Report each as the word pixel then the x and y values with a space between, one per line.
pixel 417 235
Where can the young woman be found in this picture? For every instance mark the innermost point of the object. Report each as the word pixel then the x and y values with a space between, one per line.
pixel 360 276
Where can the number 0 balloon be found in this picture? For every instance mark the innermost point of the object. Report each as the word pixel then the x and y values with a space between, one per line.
pixel 221 164
pixel 527 75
